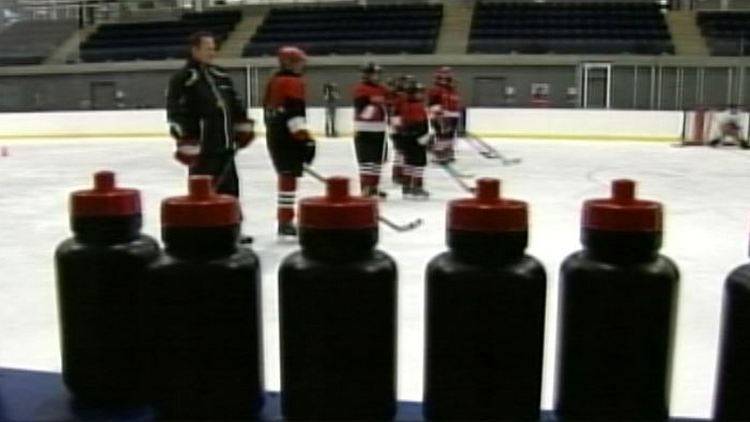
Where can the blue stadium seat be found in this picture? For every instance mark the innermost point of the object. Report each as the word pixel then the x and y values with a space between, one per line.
pixel 569 28
pixel 349 30
pixel 155 40
pixel 727 33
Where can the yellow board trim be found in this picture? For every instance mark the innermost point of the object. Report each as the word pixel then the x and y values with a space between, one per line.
pixel 581 137
pixel 546 136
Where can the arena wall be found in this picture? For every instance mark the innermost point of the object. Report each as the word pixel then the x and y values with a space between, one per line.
pixel 503 123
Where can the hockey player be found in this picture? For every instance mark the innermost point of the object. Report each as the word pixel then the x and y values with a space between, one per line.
pixel 730 131
pixel 414 137
pixel 289 142
pixel 331 97
pixel 207 118
pixel 370 115
pixel 395 97
pixel 445 112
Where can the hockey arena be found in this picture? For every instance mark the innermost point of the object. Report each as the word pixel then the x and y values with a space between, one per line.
pixel 555 113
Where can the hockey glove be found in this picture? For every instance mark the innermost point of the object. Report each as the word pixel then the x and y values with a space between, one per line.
pixel 244 133
pixel 425 140
pixel 308 152
pixel 187 151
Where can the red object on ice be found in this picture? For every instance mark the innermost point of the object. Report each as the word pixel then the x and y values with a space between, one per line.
pixel 105 199
pixel 623 211
pixel 338 210
pixel 202 207
pixel 488 212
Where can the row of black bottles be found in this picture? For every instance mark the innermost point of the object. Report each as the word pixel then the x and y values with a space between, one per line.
pixel 180 328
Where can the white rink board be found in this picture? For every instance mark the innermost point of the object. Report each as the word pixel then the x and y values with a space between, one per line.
pixel 523 123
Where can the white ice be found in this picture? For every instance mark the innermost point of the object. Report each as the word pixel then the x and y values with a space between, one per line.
pixel 705 192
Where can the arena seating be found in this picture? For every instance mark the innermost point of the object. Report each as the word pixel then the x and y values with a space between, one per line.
pixel 157 40
pixel 569 28
pixel 348 30
pixel 726 33
pixel 30 42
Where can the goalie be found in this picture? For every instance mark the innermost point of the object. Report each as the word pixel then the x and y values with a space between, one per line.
pixel 730 131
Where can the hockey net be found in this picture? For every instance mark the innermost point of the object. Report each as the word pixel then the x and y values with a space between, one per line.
pixel 702 126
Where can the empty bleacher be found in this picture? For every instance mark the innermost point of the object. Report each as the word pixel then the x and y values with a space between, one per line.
pixel 726 33
pixel 349 30
pixel 569 28
pixel 30 42
pixel 156 40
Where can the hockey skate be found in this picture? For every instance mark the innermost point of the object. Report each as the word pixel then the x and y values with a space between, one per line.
pixel 419 194
pixel 245 239
pixel 415 193
pixel 287 230
pixel 373 192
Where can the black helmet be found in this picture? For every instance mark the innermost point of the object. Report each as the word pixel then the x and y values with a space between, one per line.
pixel 414 87
pixel 370 68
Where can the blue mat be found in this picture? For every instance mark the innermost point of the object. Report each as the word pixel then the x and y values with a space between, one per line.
pixel 41 396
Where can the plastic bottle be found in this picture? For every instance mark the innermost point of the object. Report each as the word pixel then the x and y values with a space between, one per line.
pixel 337 300
pixel 98 274
pixel 618 302
pixel 203 311
pixel 733 371
pixel 485 314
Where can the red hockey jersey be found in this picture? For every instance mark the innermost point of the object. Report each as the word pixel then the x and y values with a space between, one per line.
pixel 444 102
pixel 413 118
pixel 284 106
pixel 370 111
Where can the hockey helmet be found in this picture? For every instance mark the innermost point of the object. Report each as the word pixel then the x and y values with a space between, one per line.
pixel 444 75
pixel 371 72
pixel 370 68
pixel 414 87
pixel 290 55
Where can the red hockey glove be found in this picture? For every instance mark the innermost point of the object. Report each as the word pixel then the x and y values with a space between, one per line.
pixel 244 133
pixel 187 151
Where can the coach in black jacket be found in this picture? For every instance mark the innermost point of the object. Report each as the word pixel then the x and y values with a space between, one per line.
pixel 207 117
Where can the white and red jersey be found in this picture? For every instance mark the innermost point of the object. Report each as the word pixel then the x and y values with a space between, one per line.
pixel 370 112
pixel 444 101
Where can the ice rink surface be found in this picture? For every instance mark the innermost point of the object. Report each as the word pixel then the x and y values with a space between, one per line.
pixel 705 193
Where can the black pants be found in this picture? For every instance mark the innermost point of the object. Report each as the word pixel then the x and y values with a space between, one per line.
pixel 287 153
pixel 222 167
pixel 331 121
pixel 370 147
pixel 414 153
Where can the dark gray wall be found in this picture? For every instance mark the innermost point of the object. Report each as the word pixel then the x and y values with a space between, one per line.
pixel 143 89
pixel 650 86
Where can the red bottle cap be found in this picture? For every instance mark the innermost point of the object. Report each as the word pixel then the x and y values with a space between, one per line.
pixel 338 210
pixel 105 199
pixel 488 211
pixel 622 212
pixel 202 207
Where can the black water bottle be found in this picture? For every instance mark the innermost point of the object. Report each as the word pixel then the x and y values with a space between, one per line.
pixel 485 314
pixel 203 311
pixel 733 372
pixel 337 300
pixel 618 302
pixel 98 273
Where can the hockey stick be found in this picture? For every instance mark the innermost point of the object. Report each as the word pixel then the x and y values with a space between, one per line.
pixel 488 151
pixel 457 177
pixel 225 170
pixel 397 227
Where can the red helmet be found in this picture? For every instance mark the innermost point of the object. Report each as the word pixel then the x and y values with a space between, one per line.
pixel 444 75
pixel 291 54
